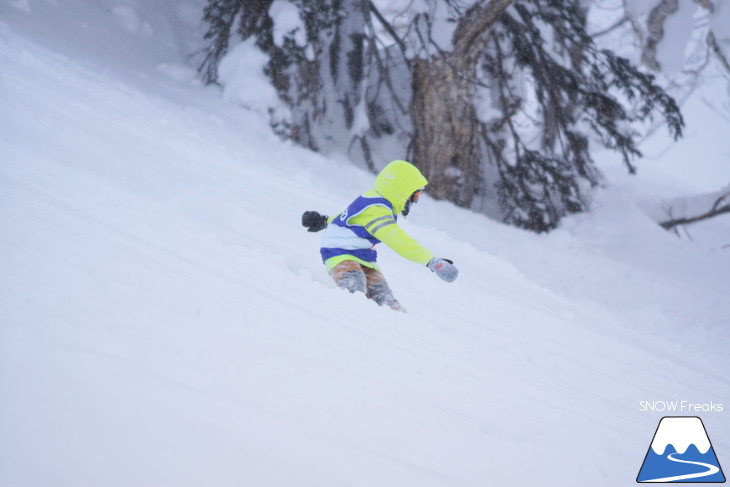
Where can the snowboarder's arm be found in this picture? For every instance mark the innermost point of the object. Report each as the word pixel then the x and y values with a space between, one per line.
pixel 397 239
pixel 380 223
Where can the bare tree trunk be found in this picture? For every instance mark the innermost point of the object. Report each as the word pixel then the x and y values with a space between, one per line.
pixel 443 122
pixel 444 142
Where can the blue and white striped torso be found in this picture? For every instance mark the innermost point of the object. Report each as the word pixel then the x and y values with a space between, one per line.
pixel 342 237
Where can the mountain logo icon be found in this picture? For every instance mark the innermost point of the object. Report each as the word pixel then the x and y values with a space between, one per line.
pixel 680 452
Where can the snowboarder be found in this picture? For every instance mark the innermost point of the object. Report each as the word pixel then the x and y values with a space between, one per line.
pixel 347 244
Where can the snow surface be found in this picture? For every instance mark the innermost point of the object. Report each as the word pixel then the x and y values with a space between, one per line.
pixel 164 319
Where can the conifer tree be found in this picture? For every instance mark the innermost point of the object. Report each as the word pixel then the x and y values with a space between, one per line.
pixel 502 117
pixel 220 16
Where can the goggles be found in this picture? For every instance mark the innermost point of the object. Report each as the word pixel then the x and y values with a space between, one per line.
pixel 413 199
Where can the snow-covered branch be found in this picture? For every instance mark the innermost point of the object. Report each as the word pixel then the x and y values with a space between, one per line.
pixel 684 211
pixel 655 27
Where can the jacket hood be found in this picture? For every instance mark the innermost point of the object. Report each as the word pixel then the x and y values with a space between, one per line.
pixel 397 182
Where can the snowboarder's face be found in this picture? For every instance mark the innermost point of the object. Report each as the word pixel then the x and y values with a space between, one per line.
pixel 413 199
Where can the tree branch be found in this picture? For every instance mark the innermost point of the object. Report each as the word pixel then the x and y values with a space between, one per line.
pixel 721 206
pixel 611 28
pixel 475 22
pixel 389 29
pixel 655 26
pixel 715 48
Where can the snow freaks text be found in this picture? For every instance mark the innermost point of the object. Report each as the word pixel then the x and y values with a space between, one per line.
pixel 680 407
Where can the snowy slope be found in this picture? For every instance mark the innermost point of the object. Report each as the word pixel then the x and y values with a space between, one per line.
pixel 164 319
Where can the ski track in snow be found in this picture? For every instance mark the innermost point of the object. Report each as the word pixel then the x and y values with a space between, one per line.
pixel 166 321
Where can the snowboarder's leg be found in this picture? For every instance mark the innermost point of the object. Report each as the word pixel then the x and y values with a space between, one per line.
pixel 349 275
pixel 379 291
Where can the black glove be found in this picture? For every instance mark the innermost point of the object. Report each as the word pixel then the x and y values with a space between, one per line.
pixel 314 221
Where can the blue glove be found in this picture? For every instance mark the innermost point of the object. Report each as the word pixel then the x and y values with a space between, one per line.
pixel 444 268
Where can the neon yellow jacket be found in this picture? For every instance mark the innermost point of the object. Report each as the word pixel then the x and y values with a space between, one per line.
pixel 353 236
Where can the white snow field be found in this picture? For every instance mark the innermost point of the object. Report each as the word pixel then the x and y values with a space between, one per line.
pixel 166 321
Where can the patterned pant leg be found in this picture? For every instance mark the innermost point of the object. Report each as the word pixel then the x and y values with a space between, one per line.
pixel 379 291
pixel 349 275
